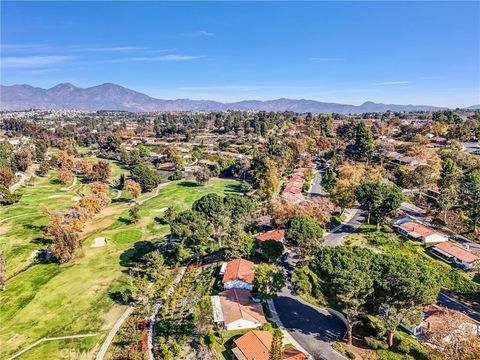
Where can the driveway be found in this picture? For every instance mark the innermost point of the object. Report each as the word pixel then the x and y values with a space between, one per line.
pixel 313 328
pixel 336 236
pixel 448 302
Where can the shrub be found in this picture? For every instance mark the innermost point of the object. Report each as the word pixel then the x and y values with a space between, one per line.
pixel 341 349
pixel 403 347
pixel 375 326
pixel 375 343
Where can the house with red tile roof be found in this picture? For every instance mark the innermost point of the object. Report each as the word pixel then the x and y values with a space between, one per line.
pixel 456 254
pixel 256 345
pixel 239 274
pixel 234 309
pixel 433 321
pixel 277 235
pixel 168 166
pixel 420 232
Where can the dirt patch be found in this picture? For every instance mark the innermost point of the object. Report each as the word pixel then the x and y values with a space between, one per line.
pixel 99 242
pixel 161 210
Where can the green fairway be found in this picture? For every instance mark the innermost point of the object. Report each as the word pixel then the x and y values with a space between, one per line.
pixel 57 300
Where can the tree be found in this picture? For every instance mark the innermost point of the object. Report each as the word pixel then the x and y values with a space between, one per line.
pixel 66 238
pixel 238 243
pixel 191 226
pixel 367 195
pixel 212 206
pixel 304 233
pixel 65 176
pixel 133 188
pixel 267 179
pixel 450 175
pixel 271 250
pixel 240 208
pixel 113 142
pixel 276 347
pixel 269 279
pixel 22 159
pixel 348 273
pixel 169 215
pixel 241 167
pixel 390 198
pixel 403 286
pixel 7 197
pixel 363 147
pixel 101 171
pixel 146 177
pixel 44 168
pixel 447 200
pixel 329 178
pixel 7 177
pixel 140 288
pixel 470 194
pixel 134 213
pixel 155 266
pixel 343 194
pixel 202 175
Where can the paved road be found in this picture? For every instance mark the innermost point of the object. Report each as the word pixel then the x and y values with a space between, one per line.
pixel 314 329
pixel 336 236
pixel 453 304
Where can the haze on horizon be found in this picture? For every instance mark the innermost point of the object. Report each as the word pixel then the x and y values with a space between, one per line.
pixel 344 52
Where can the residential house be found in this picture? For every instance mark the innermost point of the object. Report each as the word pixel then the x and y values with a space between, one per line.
pixel 420 232
pixel 234 309
pixel 277 235
pixel 239 274
pixel 256 345
pixel 432 320
pixel 167 166
pixel 457 254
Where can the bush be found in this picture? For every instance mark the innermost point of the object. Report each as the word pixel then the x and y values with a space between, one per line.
pixel 375 326
pixel 341 349
pixel 403 347
pixel 301 281
pixel 375 343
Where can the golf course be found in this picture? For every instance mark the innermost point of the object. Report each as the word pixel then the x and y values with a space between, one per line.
pixel 44 300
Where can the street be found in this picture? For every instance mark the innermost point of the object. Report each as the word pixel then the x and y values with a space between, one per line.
pixel 335 237
pixel 313 328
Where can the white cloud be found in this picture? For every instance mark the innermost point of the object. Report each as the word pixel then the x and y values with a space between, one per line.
pixel 199 33
pixel 32 61
pixel 394 83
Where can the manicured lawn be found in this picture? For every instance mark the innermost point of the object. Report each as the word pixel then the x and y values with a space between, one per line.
pixel 56 300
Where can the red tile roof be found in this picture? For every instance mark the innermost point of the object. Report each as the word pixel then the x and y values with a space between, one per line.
pixel 293 354
pixel 255 345
pixel 457 251
pixel 239 269
pixel 237 304
pixel 420 229
pixel 277 235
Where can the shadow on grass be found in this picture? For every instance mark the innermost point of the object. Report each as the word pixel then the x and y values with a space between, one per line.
pixel 233 188
pixel 188 184
pixel 125 221
pixel 34 227
pixel 160 220
pixel 56 181
pixel 41 240
pixel 133 255
pixel 122 297
pixel 120 200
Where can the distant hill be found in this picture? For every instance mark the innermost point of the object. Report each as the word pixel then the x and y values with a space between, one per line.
pixel 474 107
pixel 115 97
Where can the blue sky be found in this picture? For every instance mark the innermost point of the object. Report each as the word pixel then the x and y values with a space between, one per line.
pixel 348 52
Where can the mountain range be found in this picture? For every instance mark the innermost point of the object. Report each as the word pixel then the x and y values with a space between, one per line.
pixel 115 97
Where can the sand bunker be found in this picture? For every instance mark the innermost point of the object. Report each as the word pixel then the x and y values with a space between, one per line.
pixel 99 242
pixel 57 196
pixel 161 210
pixel 75 198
